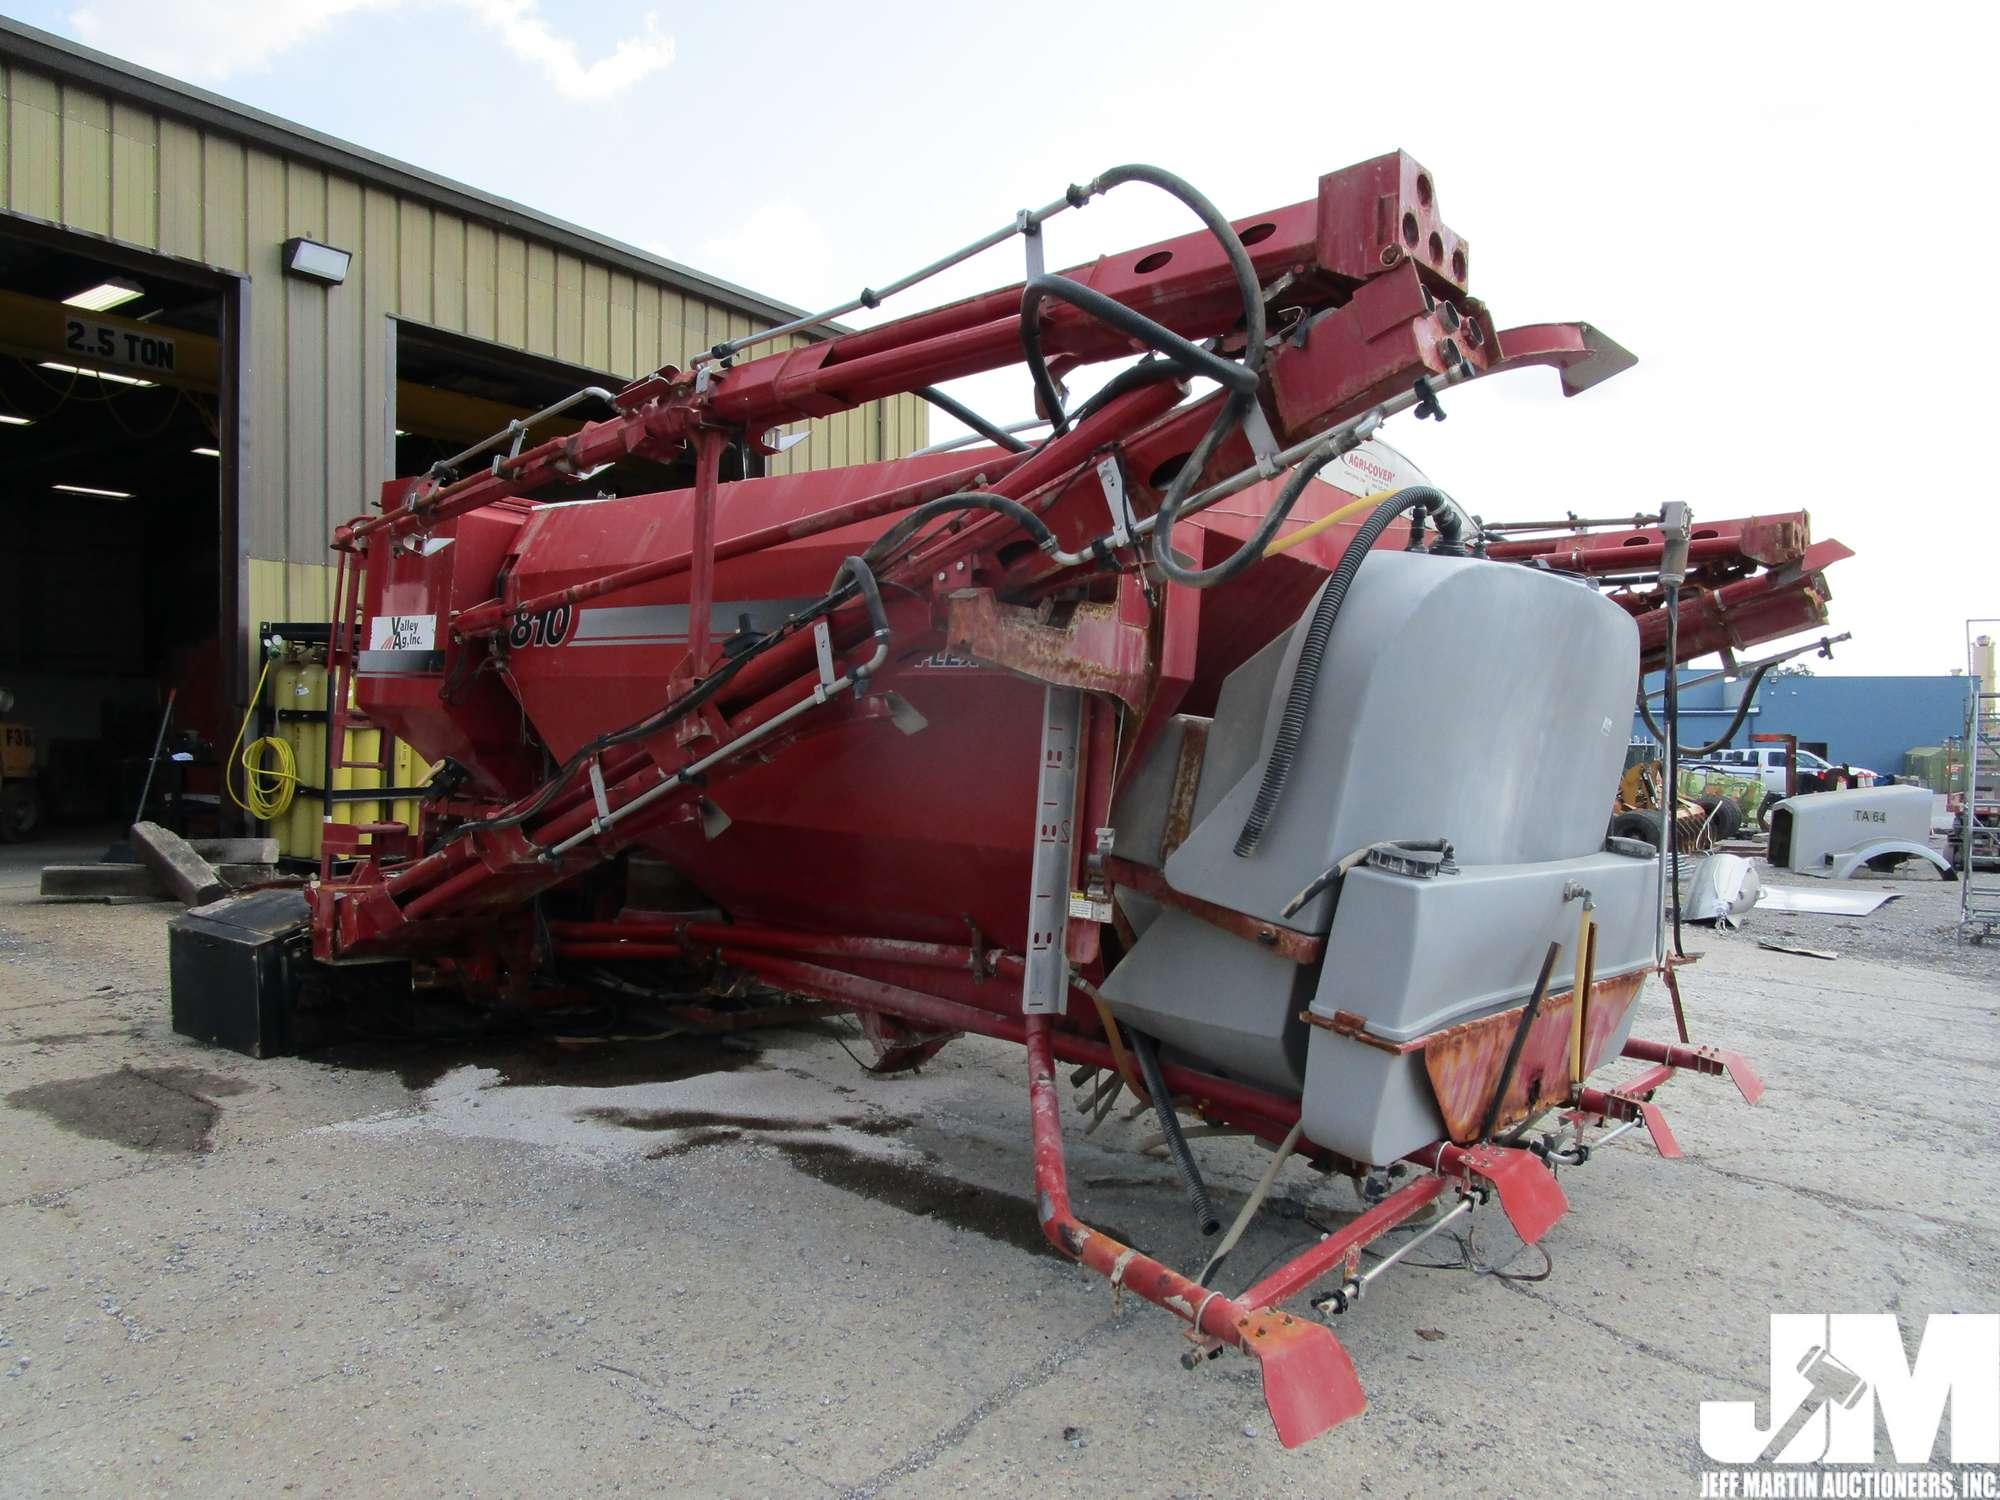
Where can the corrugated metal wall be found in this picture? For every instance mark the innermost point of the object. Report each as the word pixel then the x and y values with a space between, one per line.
pixel 1866 721
pixel 316 393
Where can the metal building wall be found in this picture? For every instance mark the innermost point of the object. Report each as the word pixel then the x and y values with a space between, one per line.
pixel 1865 721
pixel 315 388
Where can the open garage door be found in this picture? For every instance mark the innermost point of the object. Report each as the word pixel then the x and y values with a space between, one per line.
pixel 114 450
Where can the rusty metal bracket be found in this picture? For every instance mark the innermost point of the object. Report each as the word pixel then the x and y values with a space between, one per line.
pixel 1355 1028
pixel 1096 650
pixel 1187 781
pixel 1282 941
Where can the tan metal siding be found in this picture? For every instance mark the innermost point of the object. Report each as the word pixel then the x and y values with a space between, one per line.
pixel 376 270
pixel 346 337
pixel 510 291
pixel 224 220
pixel 481 266
pixel 448 273
pixel 265 474
pixel 179 192
pixel 34 145
pixel 135 176
pixel 86 161
pixel 317 389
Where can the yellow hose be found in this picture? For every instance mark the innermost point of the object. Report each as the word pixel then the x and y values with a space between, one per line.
pixel 1314 528
pixel 267 790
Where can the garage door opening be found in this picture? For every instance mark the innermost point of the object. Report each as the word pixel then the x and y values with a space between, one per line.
pixel 452 392
pixel 114 445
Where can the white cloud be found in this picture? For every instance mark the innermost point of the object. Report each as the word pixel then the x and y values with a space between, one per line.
pixel 779 250
pixel 521 27
pixel 209 40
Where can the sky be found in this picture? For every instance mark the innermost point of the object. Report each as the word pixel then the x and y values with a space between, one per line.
pixel 1784 210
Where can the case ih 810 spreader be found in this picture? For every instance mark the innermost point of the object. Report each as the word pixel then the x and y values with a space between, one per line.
pixel 1138 744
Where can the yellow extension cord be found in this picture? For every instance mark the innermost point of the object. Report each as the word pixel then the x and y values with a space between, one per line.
pixel 267 790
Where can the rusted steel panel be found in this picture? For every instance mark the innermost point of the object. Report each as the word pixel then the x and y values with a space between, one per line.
pixel 1095 650
pixel 1187 781
pixel 1464 1061
pixel 1282 941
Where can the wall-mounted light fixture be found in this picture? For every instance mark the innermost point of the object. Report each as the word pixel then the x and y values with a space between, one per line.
pixel 315 262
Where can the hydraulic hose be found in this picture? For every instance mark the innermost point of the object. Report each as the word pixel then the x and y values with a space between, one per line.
pixel 1225 235
pixel 1319 630
pixel 856 569
pixel 1736 723
pixel 1252 550
pixel 1185 353
pixel 1226 418
pixel 1148 371
pixel 952 406
pixel 1001 505
pixel 1170 1130
pixel 1179 349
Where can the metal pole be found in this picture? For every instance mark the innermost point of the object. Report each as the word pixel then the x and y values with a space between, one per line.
pixel 146 790
pixel 701 586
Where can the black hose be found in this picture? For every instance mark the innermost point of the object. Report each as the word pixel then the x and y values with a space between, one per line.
pixel 952 406
pixel 672 712
pixel 1170 1131
pixel 1319 630
pixel 1239 264
pixel 1527 1024
pixel 1196 463
pixel 923 515
pixel 1721 740
pixel 871 594
pixel 1252 550
pixel 1185 353
pixel 1148 371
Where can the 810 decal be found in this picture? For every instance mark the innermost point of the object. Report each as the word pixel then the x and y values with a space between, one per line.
pixel 550 627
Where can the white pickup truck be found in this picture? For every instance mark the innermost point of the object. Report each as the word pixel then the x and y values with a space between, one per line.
pixel 1767 764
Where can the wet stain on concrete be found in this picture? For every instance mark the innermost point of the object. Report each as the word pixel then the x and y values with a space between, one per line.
pixel 139 1109
pixel 71 1038
pixel 537 1061
pixel 695 1140
pixel 926 1194
pixel 709 1119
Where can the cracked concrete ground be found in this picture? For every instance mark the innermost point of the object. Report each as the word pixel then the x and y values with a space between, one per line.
pixel 219 1275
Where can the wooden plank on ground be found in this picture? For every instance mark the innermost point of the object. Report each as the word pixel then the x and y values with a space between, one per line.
pixel 190 878
pixel 101 883
pixel 236 851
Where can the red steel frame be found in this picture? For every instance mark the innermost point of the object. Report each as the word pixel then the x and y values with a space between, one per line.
pixel 1374 314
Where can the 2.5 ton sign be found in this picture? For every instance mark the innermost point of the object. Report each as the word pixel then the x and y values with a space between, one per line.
pixel 116 344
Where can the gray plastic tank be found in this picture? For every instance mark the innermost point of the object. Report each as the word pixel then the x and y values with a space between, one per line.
pixel 1479 702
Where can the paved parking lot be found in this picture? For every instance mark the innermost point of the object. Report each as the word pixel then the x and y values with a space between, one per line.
pixel 756 1270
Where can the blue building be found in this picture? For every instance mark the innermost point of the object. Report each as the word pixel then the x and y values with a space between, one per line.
pixel 1862 721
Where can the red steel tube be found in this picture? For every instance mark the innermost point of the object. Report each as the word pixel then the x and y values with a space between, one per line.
pixel 1579 557
pixel 678 937
pixel 446 891
pixel 936 1014
pixel 701 586
pixel 1208 1311
pixel 1335 1249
